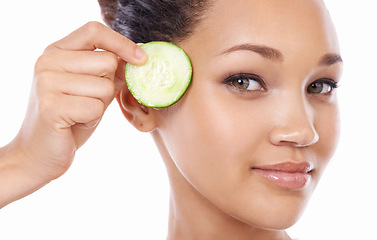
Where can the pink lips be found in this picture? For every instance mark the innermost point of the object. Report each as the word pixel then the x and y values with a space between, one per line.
pixel 288 175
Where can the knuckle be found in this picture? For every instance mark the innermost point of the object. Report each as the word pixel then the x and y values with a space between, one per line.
pixel 43 80
pixel 50 48
pixel 41 63
pixel 108 88
pixel 96 108
pixel 110 63
pixel 47 104
pixel 112 60
pixel 128 45
pixel 44 61
pixel 92 28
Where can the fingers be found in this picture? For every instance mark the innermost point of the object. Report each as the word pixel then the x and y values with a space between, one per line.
pixel 74 82
pixel 66 99
pixel 63 111
pixel 79 109
pixel 94 36
pixel 96 63
pixel 76 85
pixel 73 85
pixel 120 78
pixel 86 73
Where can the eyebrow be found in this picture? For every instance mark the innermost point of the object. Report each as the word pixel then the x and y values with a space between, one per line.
pixel 330 59
pixel 275 55
pixel 266 52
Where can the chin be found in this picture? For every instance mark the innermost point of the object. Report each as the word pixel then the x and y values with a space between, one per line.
pixel 275 221
pixel 269 208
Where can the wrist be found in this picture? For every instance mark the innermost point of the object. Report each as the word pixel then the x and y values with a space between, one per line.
pixel 17 178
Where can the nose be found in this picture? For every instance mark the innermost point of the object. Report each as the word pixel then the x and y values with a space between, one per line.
pixel 294 126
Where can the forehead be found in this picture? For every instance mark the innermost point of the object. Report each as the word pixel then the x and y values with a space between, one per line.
pixel 288 25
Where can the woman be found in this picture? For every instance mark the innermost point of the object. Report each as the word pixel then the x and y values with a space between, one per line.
pixel 245 146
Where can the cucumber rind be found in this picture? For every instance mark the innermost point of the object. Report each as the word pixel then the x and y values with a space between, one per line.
pixel 167 82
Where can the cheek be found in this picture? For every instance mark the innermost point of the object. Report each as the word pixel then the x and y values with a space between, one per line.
pixel 212 138
pixel 328 127
pixel 206 134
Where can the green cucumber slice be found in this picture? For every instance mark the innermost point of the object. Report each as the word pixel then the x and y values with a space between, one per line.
pixel 163 79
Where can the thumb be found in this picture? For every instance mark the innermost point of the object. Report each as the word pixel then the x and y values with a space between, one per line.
pixel 120 77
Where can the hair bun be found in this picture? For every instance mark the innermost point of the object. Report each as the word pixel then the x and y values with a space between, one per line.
pixel 108 10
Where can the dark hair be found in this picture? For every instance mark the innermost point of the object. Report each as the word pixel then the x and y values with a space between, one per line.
pixel 153 20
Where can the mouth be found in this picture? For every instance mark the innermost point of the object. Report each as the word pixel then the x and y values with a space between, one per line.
pixel 287 175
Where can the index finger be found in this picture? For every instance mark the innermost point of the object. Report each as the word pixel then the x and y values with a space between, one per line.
pixel 95 35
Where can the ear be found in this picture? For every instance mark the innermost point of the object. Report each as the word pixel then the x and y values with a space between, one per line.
pixel 140 116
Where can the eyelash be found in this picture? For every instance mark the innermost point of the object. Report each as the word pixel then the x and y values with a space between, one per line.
pixel 331 83
pixel 230 81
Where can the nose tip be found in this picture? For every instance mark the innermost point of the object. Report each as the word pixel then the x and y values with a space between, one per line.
pixel 299 136
pixel 294 122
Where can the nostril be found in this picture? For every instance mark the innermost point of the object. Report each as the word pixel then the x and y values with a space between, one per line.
pixel 314 140
pixel 297 137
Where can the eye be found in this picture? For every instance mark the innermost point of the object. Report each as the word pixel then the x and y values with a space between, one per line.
pixel 322 86
pixel 245 82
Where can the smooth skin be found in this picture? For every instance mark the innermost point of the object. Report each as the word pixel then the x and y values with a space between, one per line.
pixel 213 138
pixel 73 85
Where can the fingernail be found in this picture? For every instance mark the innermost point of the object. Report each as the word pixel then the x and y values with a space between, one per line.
pixel 139 53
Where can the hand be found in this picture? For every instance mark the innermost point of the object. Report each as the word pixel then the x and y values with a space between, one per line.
pixel 73 85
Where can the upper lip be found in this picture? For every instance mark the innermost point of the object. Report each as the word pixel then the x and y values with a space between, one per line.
pixel 289 167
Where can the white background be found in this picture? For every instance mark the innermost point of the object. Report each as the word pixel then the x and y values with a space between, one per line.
pixel 117 187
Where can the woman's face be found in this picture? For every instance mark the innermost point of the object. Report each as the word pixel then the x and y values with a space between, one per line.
pixel 260 121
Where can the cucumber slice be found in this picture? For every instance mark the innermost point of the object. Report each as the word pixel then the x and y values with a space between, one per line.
pixel 163 79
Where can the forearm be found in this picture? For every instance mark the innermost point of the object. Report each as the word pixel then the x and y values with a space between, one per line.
pixel 17 178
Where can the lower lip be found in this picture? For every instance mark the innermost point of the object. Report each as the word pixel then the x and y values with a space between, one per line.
pixel 285 179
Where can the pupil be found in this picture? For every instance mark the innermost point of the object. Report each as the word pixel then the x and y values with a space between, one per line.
pixel 317 87
pixel 242 83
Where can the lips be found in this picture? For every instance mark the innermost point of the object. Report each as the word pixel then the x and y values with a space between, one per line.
pixel 289 175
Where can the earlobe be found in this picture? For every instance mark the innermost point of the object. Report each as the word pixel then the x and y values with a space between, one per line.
pixel 140 116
